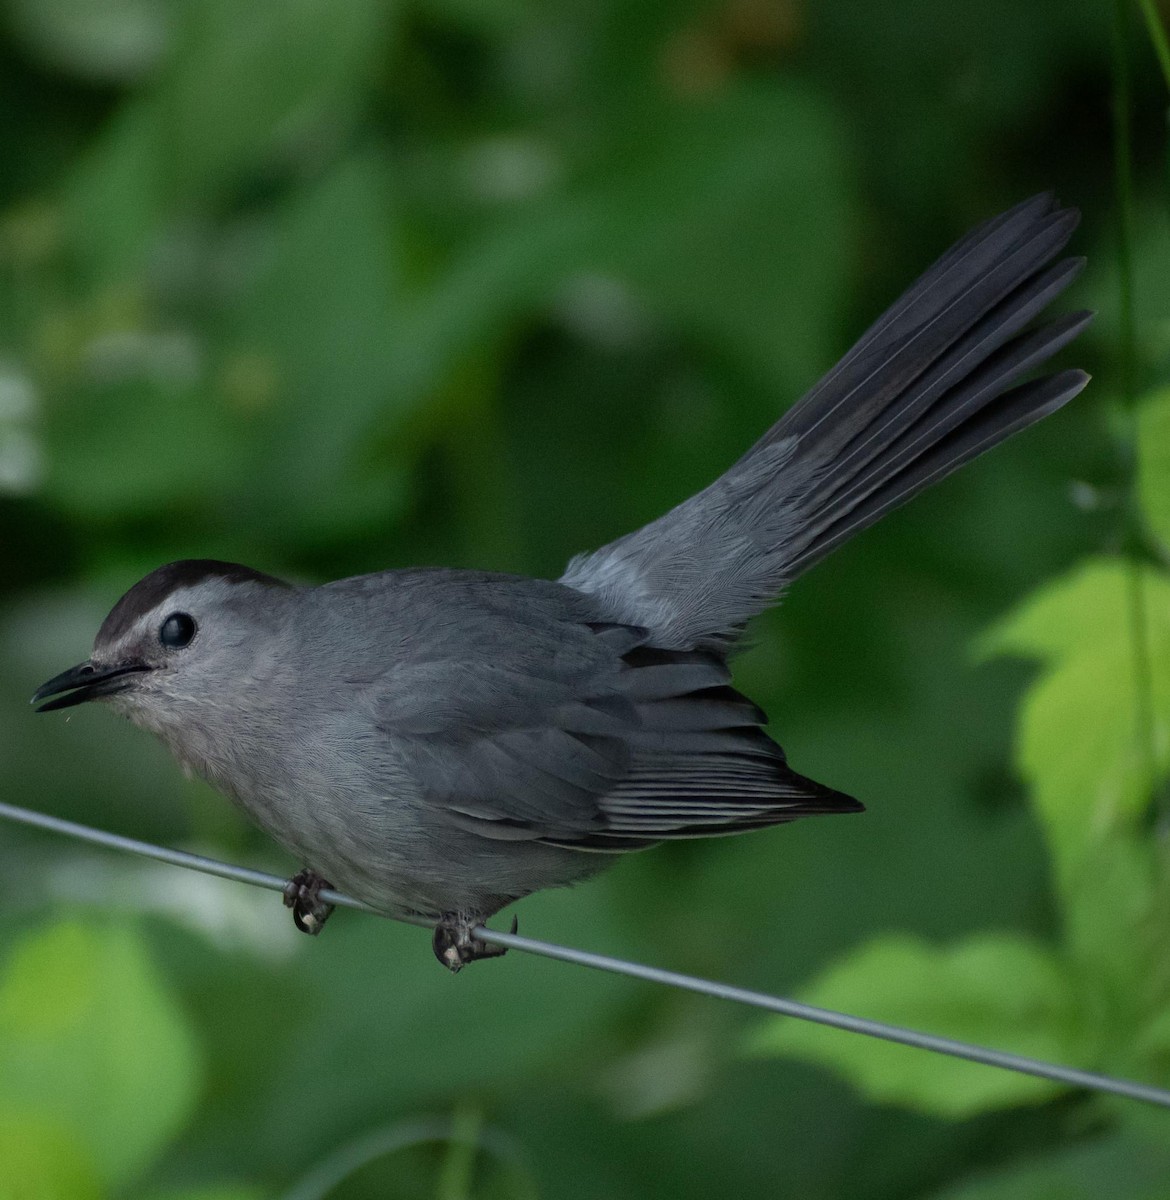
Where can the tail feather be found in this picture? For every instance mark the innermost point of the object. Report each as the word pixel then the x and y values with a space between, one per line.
pixel 930 318
pixel 965 356
pixel 922 442
pixel 1007 226
pixel 1009 413
pixel 930 385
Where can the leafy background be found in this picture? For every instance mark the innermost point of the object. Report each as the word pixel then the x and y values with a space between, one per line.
pixel 326 286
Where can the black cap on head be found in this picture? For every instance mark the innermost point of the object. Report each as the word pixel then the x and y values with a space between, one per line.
pixel 160 583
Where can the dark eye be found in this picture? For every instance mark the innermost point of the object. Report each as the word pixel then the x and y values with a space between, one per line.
pixel 177 630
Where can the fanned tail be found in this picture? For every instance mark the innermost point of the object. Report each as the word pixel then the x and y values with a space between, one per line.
pixel 938 379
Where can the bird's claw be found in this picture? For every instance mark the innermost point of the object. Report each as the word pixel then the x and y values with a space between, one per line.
pixel 455 946
pixel 302 894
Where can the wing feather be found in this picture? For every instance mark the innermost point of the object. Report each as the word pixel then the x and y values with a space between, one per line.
pixel 590 737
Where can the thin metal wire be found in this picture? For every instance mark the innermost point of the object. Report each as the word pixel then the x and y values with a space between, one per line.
pixel 601 962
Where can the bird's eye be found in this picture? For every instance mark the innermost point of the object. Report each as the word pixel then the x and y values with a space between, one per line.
pixel 177 630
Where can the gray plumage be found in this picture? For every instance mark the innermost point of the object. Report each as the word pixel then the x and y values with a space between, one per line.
pixel 445 742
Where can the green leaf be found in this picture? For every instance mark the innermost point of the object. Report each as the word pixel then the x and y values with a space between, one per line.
pixel 161 461
pixel 995 990
pixel 100 40
pixel 1149 1048
pixel 114 203
pixel 1084 746
pixel 91 1039
pixel 1057 619
pixel 41 1160
pixel 235 94
pixel 750 257
pixel 1153 447
pixel 228 1191
pixel 1116 949
pixel 1149 290
pixel 427 1042
pixel 241 88
pixel 321 315
pixel 752 252
pixel 1153 1041
pixel 1107 1169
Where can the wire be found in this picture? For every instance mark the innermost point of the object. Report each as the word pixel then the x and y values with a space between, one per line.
pixel 601 962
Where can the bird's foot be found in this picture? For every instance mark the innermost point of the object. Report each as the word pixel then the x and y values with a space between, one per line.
pixel 302 894
pixel 455 945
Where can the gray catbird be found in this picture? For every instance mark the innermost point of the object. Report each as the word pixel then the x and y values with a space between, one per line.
pixel 442 743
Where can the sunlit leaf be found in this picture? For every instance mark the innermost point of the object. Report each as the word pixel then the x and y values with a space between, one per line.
pixel 995 990
pixel 1114 935
pixel 1088 730
pixel 40 1159
pixel 90 1038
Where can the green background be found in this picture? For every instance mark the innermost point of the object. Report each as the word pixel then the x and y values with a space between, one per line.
pixel 327 286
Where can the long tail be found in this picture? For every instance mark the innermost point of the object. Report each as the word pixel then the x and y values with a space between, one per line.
pixel 933 383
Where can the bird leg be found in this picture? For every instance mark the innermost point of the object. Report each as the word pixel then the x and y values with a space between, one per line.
pixel 455 946
pixel 302 894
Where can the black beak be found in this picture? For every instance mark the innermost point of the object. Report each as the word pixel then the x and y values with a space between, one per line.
pixel 86 682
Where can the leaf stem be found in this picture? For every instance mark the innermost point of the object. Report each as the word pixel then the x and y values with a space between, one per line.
pixel 1127 367
pixel 1157 37
pixel 459 1161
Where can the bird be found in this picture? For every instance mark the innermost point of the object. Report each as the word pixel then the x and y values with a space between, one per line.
pixel 441 743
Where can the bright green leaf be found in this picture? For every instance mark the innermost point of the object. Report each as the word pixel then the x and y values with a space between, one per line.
pixel 995 990
pixel 1084 746
pixel 1150 945
pixel 41 1160
pixel 91 1039
pixel 1112 941
pixel 1059 618
pixel 1154 1040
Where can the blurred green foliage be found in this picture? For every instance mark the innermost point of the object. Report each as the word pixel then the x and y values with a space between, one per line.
pixel 1094 746
pixel 327 286
pixel 93 1042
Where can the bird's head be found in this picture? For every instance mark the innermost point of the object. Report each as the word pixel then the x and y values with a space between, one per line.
pixel 191 633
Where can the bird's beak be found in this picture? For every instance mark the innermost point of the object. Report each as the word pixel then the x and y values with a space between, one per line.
pixel 86 682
